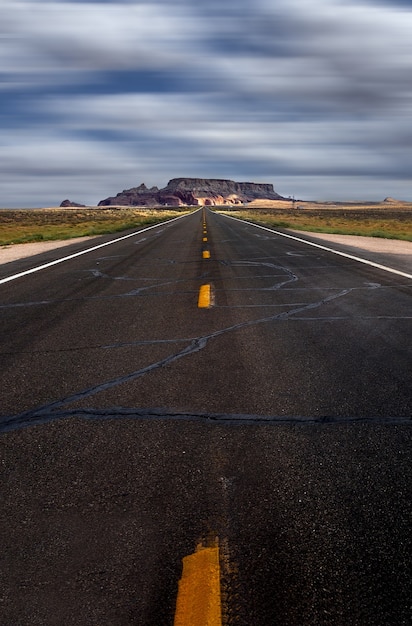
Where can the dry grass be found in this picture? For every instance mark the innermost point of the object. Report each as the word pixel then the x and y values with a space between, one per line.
pixel 391 220
pixel 28 225
pixel 397 205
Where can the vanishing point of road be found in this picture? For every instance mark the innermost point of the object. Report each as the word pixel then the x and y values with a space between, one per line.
pixel 205 382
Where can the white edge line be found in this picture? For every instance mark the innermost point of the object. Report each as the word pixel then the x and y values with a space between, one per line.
pixel 101 245
pixel 317 245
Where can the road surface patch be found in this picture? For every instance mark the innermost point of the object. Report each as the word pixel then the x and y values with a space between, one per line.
pixel 92 249
pixel 198 600
pixel 352 257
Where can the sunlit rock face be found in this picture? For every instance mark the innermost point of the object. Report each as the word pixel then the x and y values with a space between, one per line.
pixel 193 192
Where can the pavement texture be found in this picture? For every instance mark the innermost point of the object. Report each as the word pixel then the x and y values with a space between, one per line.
pixel 313 521
pixel 134 426
pixel 392 251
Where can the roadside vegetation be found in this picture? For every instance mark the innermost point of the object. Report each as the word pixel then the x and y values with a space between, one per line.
pixel 388 222
pixel 29 225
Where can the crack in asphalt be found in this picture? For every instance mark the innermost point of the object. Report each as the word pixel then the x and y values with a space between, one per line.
pixel 292 277
pixel 194 346
pixel 284 279
pixel 145 289
pixel 128 294
pixel 8 424
pixel 152 342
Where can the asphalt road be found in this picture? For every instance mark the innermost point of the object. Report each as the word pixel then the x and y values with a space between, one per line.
pixel 136 425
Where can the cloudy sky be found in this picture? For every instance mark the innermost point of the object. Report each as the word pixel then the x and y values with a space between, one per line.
pixel 314 96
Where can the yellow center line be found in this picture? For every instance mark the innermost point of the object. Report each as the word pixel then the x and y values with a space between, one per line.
pixel 205 253
pixel 204 300
pixel 198 601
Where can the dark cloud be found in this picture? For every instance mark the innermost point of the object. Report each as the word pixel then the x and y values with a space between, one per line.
pixel 105 94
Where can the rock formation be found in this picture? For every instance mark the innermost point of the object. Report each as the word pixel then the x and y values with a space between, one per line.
pixel 193 191
pixel 69 203
pixel 393 201
pixel 136 196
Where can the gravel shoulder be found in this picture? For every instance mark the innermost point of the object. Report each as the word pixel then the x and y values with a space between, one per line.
pixel 371 244
pixel 393 253
pixel 23 250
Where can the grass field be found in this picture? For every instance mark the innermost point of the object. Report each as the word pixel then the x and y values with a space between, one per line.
pixel 390 221
pixel 28 225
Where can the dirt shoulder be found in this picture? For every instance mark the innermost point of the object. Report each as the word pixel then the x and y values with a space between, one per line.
pixel 394 253
pixel 370 244
pixel 22 250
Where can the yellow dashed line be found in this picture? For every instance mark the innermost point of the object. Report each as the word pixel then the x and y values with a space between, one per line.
pixel 206 254
pixel 204 300
pixel 204 239
pixel 198 601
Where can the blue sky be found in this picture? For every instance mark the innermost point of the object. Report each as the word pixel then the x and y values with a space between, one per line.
pixel 314 96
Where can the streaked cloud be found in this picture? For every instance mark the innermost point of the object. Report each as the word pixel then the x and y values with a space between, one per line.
pixel 312 95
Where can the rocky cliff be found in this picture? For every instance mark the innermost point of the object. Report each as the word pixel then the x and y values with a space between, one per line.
pixel 193 191
pixel 136 196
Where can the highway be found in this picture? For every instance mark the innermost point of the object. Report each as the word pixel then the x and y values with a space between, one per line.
pixel 270 416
